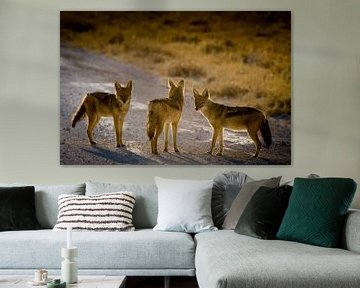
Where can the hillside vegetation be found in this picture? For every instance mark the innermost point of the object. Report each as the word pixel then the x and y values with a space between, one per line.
pixel 244 58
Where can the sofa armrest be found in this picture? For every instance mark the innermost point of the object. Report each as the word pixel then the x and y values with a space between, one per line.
pixel 351 234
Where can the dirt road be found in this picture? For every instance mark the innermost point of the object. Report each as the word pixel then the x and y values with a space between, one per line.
pixel 82 71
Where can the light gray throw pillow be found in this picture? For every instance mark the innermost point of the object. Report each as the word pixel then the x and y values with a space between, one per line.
pixel 243 198
pixel 226 187
pixel 184 205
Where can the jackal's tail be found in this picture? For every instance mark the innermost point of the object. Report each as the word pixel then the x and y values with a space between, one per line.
pixel 79 114
pixel 265 132
pixel 151 125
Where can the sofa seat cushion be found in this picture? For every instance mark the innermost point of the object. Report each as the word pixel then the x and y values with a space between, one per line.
pixel 226 259
pixel 142 249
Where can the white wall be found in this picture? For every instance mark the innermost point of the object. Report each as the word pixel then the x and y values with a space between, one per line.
pixel 326 91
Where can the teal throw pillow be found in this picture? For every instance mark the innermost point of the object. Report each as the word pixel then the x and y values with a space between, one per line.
pixel 316 211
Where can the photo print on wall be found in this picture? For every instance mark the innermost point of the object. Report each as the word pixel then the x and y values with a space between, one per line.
pixel 177 88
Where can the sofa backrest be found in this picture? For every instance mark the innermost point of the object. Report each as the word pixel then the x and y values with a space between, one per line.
pixel 46 200
pixel 146 203
pixel 351 236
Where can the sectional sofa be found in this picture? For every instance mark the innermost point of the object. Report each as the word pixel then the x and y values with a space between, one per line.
pixel 218 259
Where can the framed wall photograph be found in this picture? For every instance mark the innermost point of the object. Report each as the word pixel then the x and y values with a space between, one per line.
pixel 175 88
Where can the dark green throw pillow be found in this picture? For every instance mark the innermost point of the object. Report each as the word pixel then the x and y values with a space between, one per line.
pixel 17 208
pixel 263 214
pixel 316 211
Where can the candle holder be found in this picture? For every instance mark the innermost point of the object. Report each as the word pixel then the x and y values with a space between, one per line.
pixel 68 265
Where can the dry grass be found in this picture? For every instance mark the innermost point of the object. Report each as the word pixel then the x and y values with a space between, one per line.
pixel 244 58
pixel 186 71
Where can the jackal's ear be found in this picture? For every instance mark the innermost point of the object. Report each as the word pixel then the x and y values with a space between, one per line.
pixel 206 93
pixel 196 92
pixel 181 83
pixel 117 85
pixel 129 85
pixel 171 84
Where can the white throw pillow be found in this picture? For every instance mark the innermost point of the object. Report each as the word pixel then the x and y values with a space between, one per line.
pixel 310 176
pixel 104 212
pixel 184 205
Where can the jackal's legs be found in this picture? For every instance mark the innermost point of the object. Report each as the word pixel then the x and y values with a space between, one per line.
pixel 221 142
pixel 253 135
pixel 174 131
pixel 92 121
pixel 166 137
pixel 214 138
pixel 118 123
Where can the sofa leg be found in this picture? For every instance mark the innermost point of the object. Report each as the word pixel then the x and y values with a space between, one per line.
pixel 167 282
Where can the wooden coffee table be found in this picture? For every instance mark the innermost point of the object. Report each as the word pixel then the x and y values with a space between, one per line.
pixel 83 282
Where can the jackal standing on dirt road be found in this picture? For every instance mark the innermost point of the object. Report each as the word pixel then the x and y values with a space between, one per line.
pixel 163 112
pixel 235 118
pixel 100 104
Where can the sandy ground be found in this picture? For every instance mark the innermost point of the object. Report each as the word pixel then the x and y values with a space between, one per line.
pixel 82 71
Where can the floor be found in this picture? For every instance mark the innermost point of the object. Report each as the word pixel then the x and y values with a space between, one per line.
pixel 131 282
pixel 158 282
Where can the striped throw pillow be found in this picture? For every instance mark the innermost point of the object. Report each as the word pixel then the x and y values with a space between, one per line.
pixel 105 212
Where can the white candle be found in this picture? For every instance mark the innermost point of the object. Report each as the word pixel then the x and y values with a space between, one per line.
pixel 69 239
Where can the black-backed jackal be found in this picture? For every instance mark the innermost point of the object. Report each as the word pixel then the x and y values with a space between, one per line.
pixel 100 104
pixel 163 112
pixel 235 118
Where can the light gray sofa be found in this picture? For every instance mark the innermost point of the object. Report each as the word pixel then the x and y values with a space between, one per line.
pixel 219 259
pixel 143 252
pixel 226 259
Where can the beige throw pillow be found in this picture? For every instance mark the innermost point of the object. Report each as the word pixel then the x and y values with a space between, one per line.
pixel 243 198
